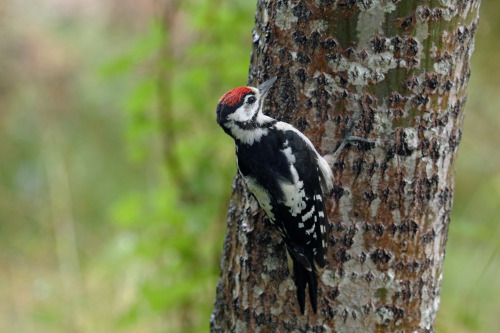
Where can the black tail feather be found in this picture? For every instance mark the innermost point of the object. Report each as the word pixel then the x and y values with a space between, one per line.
pixel 299 276
pixel 303 277
pixel 313 289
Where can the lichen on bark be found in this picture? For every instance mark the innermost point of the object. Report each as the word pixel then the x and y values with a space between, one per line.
pixel 403 67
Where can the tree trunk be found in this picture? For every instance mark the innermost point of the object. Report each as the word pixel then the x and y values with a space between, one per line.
pixel 403 67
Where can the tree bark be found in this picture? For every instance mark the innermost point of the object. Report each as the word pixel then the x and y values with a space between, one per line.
pixel 403 67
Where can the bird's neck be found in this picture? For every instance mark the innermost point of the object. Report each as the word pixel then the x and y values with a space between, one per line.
pixel 251 131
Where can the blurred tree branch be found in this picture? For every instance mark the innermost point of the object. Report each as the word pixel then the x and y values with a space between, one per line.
pixel 166 78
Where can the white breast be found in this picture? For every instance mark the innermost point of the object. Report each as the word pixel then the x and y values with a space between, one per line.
pixel 261 195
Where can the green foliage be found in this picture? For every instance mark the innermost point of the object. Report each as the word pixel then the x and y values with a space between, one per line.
pixel 179 219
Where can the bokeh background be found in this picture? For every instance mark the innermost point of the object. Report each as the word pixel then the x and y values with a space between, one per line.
pixel 115 179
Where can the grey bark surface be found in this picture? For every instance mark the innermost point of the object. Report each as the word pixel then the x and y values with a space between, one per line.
pixel 403 67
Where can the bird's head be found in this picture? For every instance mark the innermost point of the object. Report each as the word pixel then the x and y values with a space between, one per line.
pixel 240 107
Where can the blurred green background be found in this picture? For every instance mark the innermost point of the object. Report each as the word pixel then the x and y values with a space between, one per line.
pixel 115 179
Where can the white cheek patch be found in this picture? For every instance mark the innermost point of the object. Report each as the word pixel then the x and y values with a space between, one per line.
pixel 244 113
pixel 240 115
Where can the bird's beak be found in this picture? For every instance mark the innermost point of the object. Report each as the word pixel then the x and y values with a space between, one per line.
pixel 264 87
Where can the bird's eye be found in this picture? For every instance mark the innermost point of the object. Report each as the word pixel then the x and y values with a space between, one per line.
pixel 251 100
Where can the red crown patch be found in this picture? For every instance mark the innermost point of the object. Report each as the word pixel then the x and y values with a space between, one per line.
pixel 235 95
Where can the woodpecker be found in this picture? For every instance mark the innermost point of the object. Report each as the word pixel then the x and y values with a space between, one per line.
pixel 286 175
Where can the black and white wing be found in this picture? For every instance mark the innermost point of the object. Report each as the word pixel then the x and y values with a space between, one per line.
pixel 302 210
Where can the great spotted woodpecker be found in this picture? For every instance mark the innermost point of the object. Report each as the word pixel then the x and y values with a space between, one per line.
pixel 287 176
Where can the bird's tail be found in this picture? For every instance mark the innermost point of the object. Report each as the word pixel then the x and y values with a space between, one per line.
pixel 302 278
